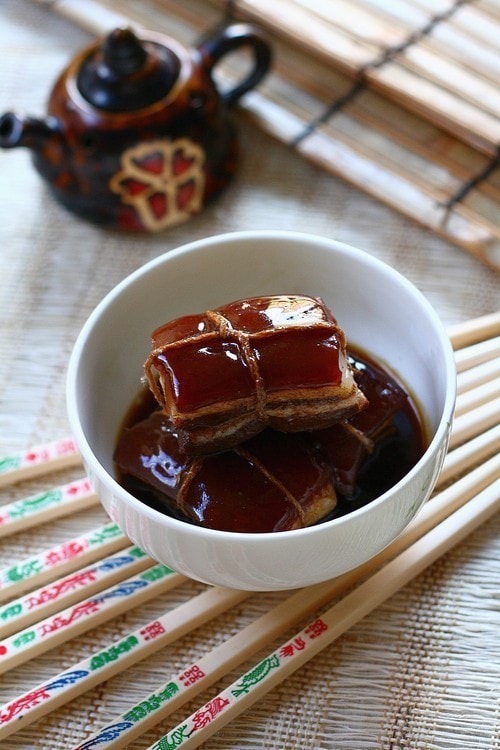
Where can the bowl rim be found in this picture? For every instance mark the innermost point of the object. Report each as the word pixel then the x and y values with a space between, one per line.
pixel 440 436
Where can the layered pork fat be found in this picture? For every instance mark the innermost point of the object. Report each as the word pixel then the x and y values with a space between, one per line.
pixel 222 376
pixel 274 482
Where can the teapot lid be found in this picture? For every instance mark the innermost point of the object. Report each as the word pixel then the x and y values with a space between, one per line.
pixel 125 73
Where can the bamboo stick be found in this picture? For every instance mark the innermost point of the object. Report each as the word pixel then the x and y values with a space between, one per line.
pixel 39 604
pixel 60 454
pixel 473 422
pixel 89 613
pixel 476 354
pixel 116 657
pixel 46 506
pixel 25 709
pixel 468 454
pixel 310 641
pixel 474 376
pixel 475 330
pixel 476 397
pixel 60 560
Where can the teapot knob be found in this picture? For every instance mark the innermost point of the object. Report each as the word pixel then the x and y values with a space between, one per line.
pixel 123 53
pixel 125 73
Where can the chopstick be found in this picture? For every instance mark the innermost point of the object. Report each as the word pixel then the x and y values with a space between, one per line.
pixel 475 376
pixel 53 456
pixel 325 629
pixel 60 560
pixel 45 601
pixel 473 422
pixel 478 396
pixel 31 706
pixel 116 657
pixel 474 330
pixel 175 692
pixel 89 613
pixel 468 454
pixel 476 354
pixel 45 506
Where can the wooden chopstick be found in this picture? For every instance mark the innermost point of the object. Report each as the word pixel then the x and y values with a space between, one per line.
pixel 474 330
pixel 18 614
pixel 116 657
pixel 476 354
pixel 37 461
pixel 174 693
pixel 478 396
pixel 469 454
pixel 322 631
pixel 89 613
pixel 60 560
pixel 476 376
pixel 46 506
pixel 473 422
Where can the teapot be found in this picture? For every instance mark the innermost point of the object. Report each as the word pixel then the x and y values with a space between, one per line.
pixel 137 134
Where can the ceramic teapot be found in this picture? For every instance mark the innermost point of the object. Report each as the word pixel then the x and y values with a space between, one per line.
pixel 137 134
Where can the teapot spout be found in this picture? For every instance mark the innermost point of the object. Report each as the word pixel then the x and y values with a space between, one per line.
pixel 30 132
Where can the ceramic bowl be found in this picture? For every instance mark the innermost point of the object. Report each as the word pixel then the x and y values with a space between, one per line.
pixel 381 312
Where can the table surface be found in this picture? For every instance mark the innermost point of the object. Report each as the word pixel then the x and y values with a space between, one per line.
pixel 423 670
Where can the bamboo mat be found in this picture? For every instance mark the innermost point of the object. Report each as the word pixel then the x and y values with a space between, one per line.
pixel 400 99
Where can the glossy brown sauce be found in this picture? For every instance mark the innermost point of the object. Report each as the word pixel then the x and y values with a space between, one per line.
pixel 392 425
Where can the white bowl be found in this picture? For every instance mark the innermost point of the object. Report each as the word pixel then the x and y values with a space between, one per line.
pixel 380 311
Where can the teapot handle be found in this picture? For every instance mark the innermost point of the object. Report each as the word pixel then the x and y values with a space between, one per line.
pixel 231 38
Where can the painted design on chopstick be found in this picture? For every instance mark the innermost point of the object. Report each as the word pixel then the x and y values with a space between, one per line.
pixel 36 503
pixel 256 675
pixel 362 82
pixel 107 735
pixel 145 708
pixel 68 584
pixel 205 715
pixel 38 455
pixel 39 694
pixel 26 569
pixel 112 654
pixel 91 666
pixel 151 704
pixel 151 631
pixel 84 609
